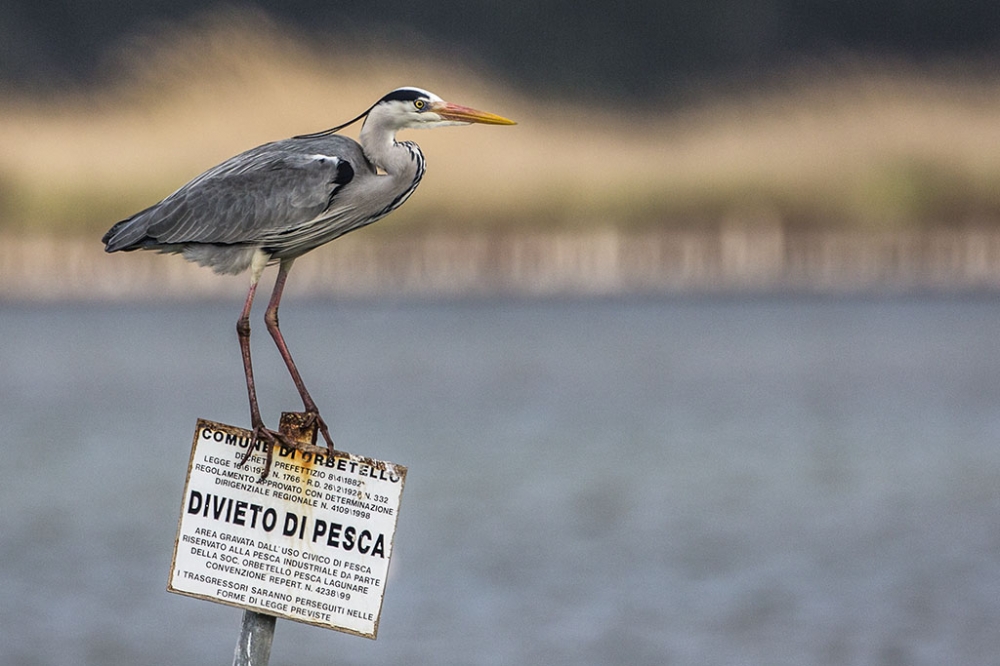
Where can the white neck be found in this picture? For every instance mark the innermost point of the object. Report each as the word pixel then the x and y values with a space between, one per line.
pixel 403 163
pixel 378 140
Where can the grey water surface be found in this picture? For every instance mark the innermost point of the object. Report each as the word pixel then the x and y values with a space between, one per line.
pixel 774 480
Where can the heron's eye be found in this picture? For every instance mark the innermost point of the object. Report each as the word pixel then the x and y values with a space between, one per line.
pixel 419 104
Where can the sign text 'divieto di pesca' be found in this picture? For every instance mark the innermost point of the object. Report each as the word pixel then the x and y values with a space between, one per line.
pixel 311 543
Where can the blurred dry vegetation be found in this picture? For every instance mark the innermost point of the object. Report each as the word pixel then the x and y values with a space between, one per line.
pixel 859 146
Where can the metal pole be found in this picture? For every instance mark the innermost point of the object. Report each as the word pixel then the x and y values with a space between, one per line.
pixel 257 632
pixel 256 636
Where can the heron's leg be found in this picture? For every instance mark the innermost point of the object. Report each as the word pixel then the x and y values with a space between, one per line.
pixel 243 332
pixel 260 431
pixel 271 319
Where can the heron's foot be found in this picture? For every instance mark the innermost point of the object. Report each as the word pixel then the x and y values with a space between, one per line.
pixel 270 439
pixel 314 420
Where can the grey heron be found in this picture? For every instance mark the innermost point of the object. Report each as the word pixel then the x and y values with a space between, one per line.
pixel 273 203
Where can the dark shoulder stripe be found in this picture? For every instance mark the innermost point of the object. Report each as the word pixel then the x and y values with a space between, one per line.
pixel 345 174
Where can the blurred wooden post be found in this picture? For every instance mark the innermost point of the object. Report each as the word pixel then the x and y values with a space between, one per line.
pixel 257 632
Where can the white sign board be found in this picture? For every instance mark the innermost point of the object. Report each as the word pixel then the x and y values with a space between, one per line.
pixel 310 543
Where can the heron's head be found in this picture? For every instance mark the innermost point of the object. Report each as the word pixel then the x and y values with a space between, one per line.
pixel 413 108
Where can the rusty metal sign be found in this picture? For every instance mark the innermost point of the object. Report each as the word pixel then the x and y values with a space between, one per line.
pixel 310 543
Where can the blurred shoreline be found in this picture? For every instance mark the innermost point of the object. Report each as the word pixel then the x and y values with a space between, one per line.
pixel 737 258
pixel 859 145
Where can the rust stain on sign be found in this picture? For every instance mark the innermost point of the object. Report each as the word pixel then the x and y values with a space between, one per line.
pixel 300 429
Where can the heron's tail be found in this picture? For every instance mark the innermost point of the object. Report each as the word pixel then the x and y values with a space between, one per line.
pixel 129 234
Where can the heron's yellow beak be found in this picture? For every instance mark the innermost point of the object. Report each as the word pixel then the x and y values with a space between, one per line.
pixel 463 114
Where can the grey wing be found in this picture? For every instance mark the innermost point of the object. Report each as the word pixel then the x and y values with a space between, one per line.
pixel 251 199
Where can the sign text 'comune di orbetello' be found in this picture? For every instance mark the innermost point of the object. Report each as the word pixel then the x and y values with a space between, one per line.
pixel 310 543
